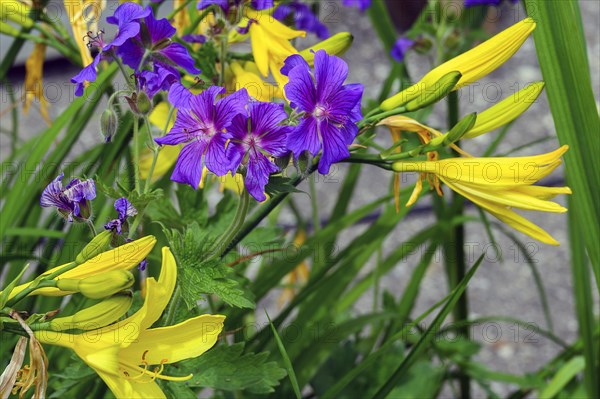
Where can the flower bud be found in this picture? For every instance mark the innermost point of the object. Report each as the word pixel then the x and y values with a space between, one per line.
pixel 460 129
pixel 433 94
pixel 96 316
pixel 108 124
pixel 95 247
pixel 144 105
pixel 98 286
pixel 337 44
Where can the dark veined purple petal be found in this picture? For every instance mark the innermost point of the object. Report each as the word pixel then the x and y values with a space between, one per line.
pixel 124 208
pixel 293 61
pixel 265 116
pixel 335 147
pixel 182 130
pixel 188 169
pixel 160 78
pixel 330 74
pixel 131 52
pixel 472 3
pixel 179 55
pixel 159 29
pixel 215 159
pixel 79 190
pixel 180 96
pixel 53 194
pixel 300 89
pixel 87 74
pixel 228 107
pixel 203 104
pixel 342 104
pixel 126 17
pixel 275 141
pixel 304 137
pixel 257 175
pixel 114 225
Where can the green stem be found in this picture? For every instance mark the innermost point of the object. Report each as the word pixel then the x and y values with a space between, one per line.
pixel 223 243
pixel 136 154
pixel 455 253
pixel 36 284
pixel 155 150
pixel 372 120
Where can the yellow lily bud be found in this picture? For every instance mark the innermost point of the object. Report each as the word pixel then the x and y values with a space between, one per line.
pixel 96 316
pixel 432 94
pixel 337 44
pixel 473 64
pixel 17 12
pixel 98 286
pixel 95 247
pixel 9 30
pixel 506 110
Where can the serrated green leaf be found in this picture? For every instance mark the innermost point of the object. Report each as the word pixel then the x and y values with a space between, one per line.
pixel 227 368
pixel 201 277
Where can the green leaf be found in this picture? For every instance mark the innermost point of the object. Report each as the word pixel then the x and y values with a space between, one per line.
pixel 286 359
pixel 565 374
pixel 225 367
pixel 427 337
pixel 198 277
pixel 279 185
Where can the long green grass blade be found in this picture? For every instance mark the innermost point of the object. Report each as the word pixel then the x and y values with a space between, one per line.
pixel 286 359
pixel 428 335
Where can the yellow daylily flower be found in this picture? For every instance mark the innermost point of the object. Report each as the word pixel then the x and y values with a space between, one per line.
pixel 270 41
pixel 473 64
pixel 34 89
pixel 505 111
pixel 125 257
pixel 122 353
pixel 77 19
pixel 500 184
pixel 248 76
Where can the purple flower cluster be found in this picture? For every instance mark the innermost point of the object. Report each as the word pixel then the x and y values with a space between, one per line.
pixel 124 210
pixel 235 134
pixel 144 44
pixel 70 201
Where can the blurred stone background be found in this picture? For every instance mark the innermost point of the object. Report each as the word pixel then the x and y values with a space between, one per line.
pixel 500 288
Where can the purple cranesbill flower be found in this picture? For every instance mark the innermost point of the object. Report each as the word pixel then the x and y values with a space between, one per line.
pixel 400 48
pixel 203 127
pixel 472 3
pixel 194 38
pixel 160 78
pixel 126 17
pixel 331 109
pixel 304 18
pixel 255 138
pixel 124 210
pixel 72 200
pixel 362 5
pixel 153 44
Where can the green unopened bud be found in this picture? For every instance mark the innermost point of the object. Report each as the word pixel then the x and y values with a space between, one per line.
pixel 98 286
pixel 108 124
pixel 144 105
pixel 96 316
pixel 431 95
pixel 460 129
pixel 337 44
pixel 95 247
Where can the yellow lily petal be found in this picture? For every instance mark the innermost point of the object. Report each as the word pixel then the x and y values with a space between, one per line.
pixel 473 64
pixel 78 24
pixel 259 50
pixel 171 344
pixel 511 218
pixel 544 193
pixel 34 69
pixel 127 388
pixel 125 257
pixel 505 111
pixel 253 83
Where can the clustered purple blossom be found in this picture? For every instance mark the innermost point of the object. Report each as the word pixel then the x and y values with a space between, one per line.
pixel 227 133
pixel 70 201
pixel 236 134
pixel 144 44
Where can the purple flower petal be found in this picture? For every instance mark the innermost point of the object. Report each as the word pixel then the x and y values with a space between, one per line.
pixel 335 146
pixel 185 122
pixel 159 29
pixel 330 74
pixel 400 47
pixel 300 89
pixel 188 169
pixel 215 159
pixel 194 38
pixel 229 107
pixel 265 116
pixel 180 96
pixel 204 4
pixel 304 137
pixel 257 176
pixel 293 61
pixel 362 5
pixel 179 55
pixel 124 208
pixel 87 74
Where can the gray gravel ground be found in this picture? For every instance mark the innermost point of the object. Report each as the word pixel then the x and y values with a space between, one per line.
pixel 500 288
